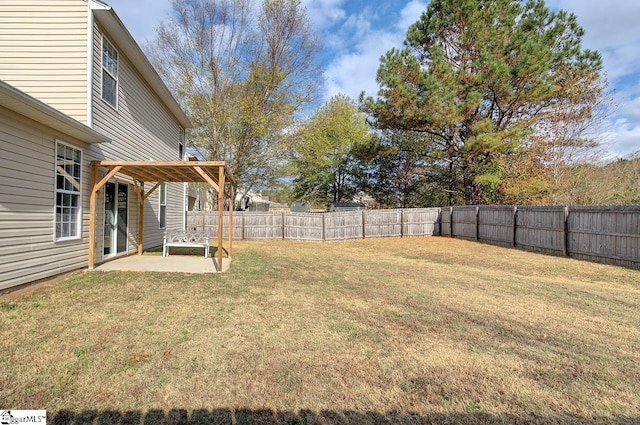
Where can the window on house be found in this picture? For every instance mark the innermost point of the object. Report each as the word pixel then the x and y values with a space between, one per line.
pixel 68 191
pixel 109 73
pixel 163 205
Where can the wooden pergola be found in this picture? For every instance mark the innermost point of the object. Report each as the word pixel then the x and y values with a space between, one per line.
pixel 215 173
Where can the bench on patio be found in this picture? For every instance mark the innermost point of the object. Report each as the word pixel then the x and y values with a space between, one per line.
pixel 185 239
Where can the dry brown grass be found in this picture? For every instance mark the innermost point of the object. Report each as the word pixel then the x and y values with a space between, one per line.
pixel 378 331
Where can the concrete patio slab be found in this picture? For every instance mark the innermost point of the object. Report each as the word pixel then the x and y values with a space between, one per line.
pixel 171 264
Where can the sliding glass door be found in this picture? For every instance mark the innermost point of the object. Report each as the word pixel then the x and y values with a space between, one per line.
pixel 116 218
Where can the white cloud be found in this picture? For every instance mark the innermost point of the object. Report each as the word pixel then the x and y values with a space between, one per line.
pixel 607 23
pixel 622 139
pixel 629 102
pixel 351 73
pixel 623 133
pixel 410 14
pixel 324 13
pixel 354 68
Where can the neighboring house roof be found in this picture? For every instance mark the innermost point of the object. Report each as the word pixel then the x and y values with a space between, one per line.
pixel 30 107
pixel 301 206
pixel 119 33
pixel 346 206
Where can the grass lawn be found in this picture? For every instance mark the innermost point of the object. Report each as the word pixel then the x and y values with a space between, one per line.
pixel 415 330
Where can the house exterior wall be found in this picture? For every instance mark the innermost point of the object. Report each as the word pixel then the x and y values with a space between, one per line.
pixel 27 186
pixel 142 129
pixel 43 51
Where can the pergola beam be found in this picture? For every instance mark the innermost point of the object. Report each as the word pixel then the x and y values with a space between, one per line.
pixel 144 175
pixel 153 189
pixel 208 179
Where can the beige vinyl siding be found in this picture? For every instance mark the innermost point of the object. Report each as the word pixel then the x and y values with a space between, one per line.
pixel 153 235
pixel 142 129
pixel 175 210
pixel 43 51
pixel 27 176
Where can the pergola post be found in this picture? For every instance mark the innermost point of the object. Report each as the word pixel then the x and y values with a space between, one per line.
pixel 141 218
pixel 92 217
pixel 220 215
pixel 231 202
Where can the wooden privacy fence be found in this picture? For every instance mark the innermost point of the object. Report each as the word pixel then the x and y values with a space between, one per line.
pixel 333 226
pixel 608 234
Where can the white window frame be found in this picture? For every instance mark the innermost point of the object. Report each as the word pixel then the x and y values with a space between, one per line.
pixel 57 172
pixel 162 206
pixel 105 43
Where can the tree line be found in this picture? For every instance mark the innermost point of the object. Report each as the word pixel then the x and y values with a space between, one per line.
pixel 487 101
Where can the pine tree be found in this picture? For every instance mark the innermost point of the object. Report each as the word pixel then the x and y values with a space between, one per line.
pixel 477 77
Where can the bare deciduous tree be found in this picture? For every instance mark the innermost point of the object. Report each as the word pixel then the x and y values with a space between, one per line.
pixel 571 132
pixel 242 72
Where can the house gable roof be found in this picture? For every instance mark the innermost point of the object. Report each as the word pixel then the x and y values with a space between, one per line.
pixel 30 107
pixel 108 18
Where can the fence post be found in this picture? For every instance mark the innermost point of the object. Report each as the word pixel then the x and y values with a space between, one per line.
pixel 363 226
pixel 402 222
pixel 243 214
pixel 282 225
pixel 451 222
pixel 514 226
pixel 565 233
pixel 477 223
pixel 323 226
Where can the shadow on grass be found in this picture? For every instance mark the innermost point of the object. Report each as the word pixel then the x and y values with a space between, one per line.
pixel 306 417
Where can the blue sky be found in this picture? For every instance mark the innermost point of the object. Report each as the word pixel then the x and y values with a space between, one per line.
pixel 355 33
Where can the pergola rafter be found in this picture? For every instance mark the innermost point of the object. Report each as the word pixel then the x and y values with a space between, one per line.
pixel 215 173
